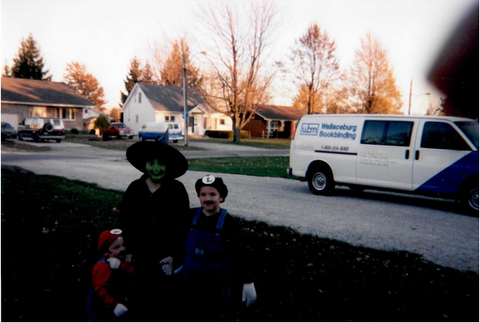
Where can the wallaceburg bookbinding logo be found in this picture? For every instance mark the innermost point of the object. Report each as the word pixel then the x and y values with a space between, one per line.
pixel 310 129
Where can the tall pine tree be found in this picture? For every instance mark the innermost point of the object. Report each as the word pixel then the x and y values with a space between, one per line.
pixel 28 64
pixel 134 76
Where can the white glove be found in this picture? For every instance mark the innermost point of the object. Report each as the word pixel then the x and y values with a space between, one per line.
pixel 114 263
pixel 249 294
pixel 167 265
pixel 120 310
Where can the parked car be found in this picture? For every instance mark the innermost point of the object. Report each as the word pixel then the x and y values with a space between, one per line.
pixel 41 129
pixel 118 130
pixel 158 131
pixel 175 131
pixel 8 131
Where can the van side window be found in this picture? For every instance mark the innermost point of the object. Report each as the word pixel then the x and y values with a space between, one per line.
pixel 439 135
pixel 387 133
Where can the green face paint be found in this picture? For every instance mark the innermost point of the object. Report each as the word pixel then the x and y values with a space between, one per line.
pixel 156 170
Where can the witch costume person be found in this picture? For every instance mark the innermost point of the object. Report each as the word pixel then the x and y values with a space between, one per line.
pixel 151 212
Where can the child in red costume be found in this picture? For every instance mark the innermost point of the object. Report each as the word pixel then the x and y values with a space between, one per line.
pixel 108 296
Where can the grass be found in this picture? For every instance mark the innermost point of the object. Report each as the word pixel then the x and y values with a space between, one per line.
pixel 256 166
pixel 50 227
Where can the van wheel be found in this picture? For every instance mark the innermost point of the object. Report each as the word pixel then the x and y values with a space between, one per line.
pixel 320 181
pixel 470 199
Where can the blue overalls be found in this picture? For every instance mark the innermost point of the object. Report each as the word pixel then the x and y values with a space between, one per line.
pixel 205 278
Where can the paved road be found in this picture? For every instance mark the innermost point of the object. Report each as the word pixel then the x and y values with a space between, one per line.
pixel 430 227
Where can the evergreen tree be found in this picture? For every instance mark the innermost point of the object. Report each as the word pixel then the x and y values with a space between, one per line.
pixel 172 71
pixel 28 64
pixel 134 76
pixel 147 74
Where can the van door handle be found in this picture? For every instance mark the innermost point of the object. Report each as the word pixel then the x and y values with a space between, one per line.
pixel 417 154
pixel 407 154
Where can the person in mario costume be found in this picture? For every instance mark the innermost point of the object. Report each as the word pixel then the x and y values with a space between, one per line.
pixel 215 277
pixel 108 297
pixel 151 213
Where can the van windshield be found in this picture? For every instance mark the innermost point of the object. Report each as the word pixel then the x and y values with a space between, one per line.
pixel 470 129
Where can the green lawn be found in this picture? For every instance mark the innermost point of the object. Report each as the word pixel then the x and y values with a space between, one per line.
pixel 50 227
pixel 256 166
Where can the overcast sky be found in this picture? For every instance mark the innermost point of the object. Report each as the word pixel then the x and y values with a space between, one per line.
pixel 106 34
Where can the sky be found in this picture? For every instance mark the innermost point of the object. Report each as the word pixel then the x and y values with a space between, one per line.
pixel 106 34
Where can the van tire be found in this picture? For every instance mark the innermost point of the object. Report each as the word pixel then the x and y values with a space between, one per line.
pixel 320 180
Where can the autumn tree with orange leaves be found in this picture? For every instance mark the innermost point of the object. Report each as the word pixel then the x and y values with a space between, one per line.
pixel 373 86
pixel 77 77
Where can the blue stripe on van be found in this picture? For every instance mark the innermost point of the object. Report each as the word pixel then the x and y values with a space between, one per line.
pixel 448 180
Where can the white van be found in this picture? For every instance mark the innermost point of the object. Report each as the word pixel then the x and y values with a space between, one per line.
pixel 435 156
pixel 157 130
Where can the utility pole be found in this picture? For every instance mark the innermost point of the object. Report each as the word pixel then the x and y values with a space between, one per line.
pixel 410 97
pixel 185 109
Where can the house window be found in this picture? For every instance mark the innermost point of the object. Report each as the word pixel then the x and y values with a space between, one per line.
pixel 140 97
pixel 169 118
pixel 37 112
pixel 136 118
pixel 66 113
pixel 222 122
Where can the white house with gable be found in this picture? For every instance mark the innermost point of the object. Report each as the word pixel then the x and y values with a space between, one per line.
pixel 160 103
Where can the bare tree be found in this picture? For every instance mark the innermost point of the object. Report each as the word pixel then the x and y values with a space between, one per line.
pixel 236 84
pixel 316 70
pixel 373 85
pixel 77 77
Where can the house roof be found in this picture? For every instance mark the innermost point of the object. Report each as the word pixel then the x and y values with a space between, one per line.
pixel 170 98
pixel 278 112
pixel 36 92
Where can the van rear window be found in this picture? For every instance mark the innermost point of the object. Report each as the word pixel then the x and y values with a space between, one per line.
pixel 387 133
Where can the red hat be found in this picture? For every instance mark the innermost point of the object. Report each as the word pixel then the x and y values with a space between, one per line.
pixel 107 237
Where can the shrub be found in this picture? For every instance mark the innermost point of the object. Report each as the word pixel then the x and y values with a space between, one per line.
pixel 225 134
pixel 74 131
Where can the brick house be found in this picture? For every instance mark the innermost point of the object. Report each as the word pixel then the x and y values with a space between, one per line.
pixel 273 121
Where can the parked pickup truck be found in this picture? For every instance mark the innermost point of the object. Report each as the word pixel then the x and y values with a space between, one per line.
pixel 118 130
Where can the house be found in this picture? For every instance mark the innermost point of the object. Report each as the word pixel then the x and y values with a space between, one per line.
pixel 89 117
pixel 159 103
pixel 273 121
pixel 22 98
